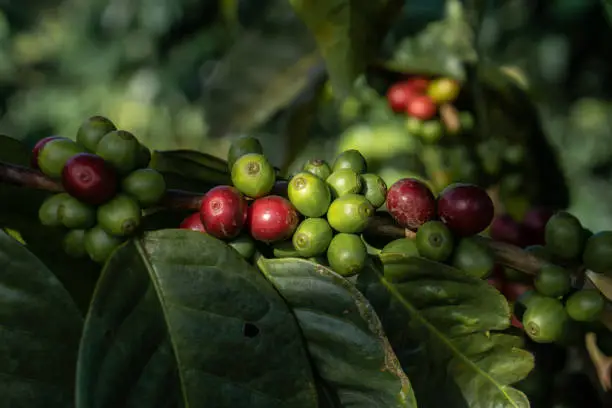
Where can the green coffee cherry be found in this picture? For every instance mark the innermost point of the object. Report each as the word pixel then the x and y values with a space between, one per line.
pixel 414 125
pixel 431 131
pixel 244 245
pixel 312 237
pixel 350 213
pixel 347 254
pixel 253 175
pixel 120 216
pixel 241 146
pixel 309 194
pixel 74 243
pixel 319 168
pixel 144 157
pixel 54 155
pixel 344 181
pixel 473 258
pixel 48 213
pixel 92 130
pixel 147 186
pixel 597 255
pixel 553 281
pixel 545 320
pixel 434 241
pixel 564 236
pixel 75 214
pixel 99 244
pixel 121 149
pixel 350 159
pixel 374 189
pixel 586 305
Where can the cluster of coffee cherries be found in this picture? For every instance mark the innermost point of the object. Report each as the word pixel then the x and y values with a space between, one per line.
pixel 107 184
pixel 550 308
pixel 320 215
pixel 445 226
pixel 421 100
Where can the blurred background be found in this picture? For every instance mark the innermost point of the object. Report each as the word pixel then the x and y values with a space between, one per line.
pixel 194 74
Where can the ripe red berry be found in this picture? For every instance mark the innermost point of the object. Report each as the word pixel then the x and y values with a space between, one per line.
pixel 89 178
pixel 421 107
pixel 535 222
pixel 497 278
pixel 465 208
pixel 505 229
pixel 411 203
pixel 272 219
pixel 193 222
pixel 37 148
pixel 223 212
pixel 418 84
pixel 400 94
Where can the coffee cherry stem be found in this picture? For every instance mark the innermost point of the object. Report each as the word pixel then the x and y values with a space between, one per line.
pixel 26 177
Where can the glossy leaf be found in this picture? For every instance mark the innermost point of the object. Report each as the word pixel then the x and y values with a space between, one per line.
pixel 348 33
pixel 181 319
pixel 344 336
pixel 444 325
pixel 40 328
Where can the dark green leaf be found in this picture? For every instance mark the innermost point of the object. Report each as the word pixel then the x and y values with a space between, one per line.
pixel 14 151
pixel 442 324
pixel 233 341
pixel 343 333
pixel 40 328
pixel 191 165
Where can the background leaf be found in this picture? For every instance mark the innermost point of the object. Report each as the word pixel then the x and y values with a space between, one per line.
pixel 265 69
pixel 39 332
pixel 442 324
pixel 343 334
pixel 348 33
pixel 234 341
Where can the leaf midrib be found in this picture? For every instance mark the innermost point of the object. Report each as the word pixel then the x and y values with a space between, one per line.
pixel 444 340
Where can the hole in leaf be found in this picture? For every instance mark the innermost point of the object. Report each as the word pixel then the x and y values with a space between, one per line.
pixel 250 330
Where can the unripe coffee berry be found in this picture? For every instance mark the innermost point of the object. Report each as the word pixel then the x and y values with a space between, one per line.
pixel 147 186
pixel 53 156
pixel 38 147
pixel 253 175
pixel 92 130
pixel 120 216
pixel 350 213
pixel 309 194
pixel 89 178
pixel 121 149
pixel 223 212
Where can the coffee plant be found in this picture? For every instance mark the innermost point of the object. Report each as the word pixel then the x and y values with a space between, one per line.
pixel 426 260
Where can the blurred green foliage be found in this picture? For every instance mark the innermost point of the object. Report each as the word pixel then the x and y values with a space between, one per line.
pixel 186 74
